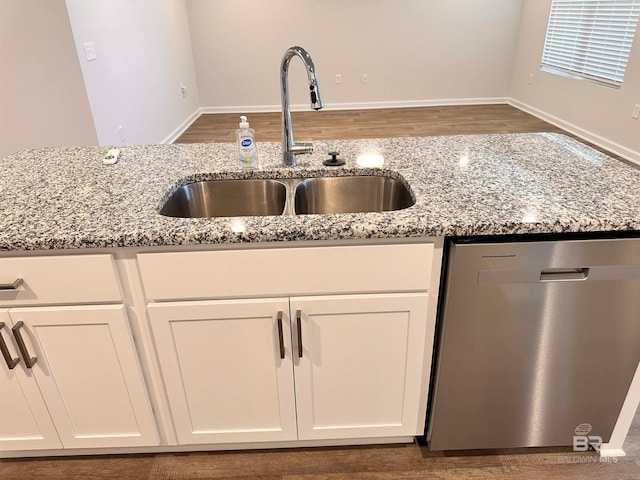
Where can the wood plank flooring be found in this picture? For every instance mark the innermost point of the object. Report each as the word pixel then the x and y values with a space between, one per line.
pixel 373 123
pixel 384 462
pixel 390 122
pixel 405 462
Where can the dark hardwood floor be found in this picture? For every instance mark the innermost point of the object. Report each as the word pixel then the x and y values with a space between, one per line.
pixel 405 462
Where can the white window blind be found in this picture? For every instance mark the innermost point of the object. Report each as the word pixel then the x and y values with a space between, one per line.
pixel 590 39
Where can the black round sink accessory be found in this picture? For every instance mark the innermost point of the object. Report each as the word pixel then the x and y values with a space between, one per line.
pixel 334 161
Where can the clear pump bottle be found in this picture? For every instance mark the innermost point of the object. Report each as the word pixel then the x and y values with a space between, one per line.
pixel 248 158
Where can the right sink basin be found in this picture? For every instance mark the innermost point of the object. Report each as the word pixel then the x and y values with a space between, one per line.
pixel 353 194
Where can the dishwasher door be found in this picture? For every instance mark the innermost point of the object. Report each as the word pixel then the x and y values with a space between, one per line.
pixel 537 339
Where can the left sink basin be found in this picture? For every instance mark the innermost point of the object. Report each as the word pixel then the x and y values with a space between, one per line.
pixel 227 198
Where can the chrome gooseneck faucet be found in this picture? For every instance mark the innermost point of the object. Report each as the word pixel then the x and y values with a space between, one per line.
pixel 290 149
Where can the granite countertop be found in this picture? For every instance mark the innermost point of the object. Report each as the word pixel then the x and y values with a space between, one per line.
pixel 59 198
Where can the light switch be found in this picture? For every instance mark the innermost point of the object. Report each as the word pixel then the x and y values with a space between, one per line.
pixel 89 51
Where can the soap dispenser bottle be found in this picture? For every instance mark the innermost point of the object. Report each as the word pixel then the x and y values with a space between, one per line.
pixel 247 151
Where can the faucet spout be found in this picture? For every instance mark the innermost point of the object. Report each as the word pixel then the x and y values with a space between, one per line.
pixel 290 149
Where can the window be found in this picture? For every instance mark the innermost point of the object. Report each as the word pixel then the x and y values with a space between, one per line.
pixel 590 39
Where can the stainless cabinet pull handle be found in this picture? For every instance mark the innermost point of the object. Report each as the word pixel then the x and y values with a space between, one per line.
pixel 11 286
pixel 11 362
pixel 299 328
pixel 29 361
pixel 280 335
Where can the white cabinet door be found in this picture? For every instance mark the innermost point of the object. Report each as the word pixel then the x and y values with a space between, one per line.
pixel 360 373
pixel 221 362
pixel 89 375
pixel 25 423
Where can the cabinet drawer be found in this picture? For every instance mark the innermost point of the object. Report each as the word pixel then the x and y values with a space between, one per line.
pixel 286 271
pixel 59 280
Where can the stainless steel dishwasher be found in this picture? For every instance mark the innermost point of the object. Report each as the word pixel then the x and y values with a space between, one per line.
pixel 536 340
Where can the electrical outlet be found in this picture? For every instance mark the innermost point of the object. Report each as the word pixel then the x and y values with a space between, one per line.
pixel 636 112
pixel 89 51
pixel 338 78
pixel 365 78
pixel 530 81
pixel 183 90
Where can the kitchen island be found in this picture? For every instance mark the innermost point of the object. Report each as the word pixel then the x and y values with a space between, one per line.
pixel 142 307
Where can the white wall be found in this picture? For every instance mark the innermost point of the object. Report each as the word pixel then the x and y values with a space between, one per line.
pixel 43 101
pixel 415 52
pixel 597 113
pixel 143 56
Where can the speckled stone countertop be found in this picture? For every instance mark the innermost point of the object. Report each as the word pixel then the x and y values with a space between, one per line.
pixel 61 198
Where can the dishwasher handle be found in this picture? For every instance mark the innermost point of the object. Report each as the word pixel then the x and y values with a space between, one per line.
pixel 564 274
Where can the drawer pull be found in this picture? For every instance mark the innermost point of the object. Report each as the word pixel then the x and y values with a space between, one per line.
pixel 280 335
pixel 11 362
pixel 11 286
pixel 29 361
pixel 299 328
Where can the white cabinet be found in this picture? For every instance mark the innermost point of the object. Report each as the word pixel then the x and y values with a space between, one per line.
pixel 250 351
pixel 25 423
pixel 78 382
pixel 286 272
pixel 359 372
pixel 299 345
pixel 222 365
pixel 88 373
pixel 58 280
pixel 229 367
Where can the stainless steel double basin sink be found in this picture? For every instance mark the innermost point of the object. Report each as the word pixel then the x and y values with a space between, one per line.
pixel 292 196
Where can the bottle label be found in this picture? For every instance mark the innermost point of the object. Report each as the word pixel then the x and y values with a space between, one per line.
pixel 247 153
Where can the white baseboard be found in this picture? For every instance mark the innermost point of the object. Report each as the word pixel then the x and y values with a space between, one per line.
pixel 442 102
pixel 362 105
pixel 246 109
pixel 622 151
pixel 173 136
